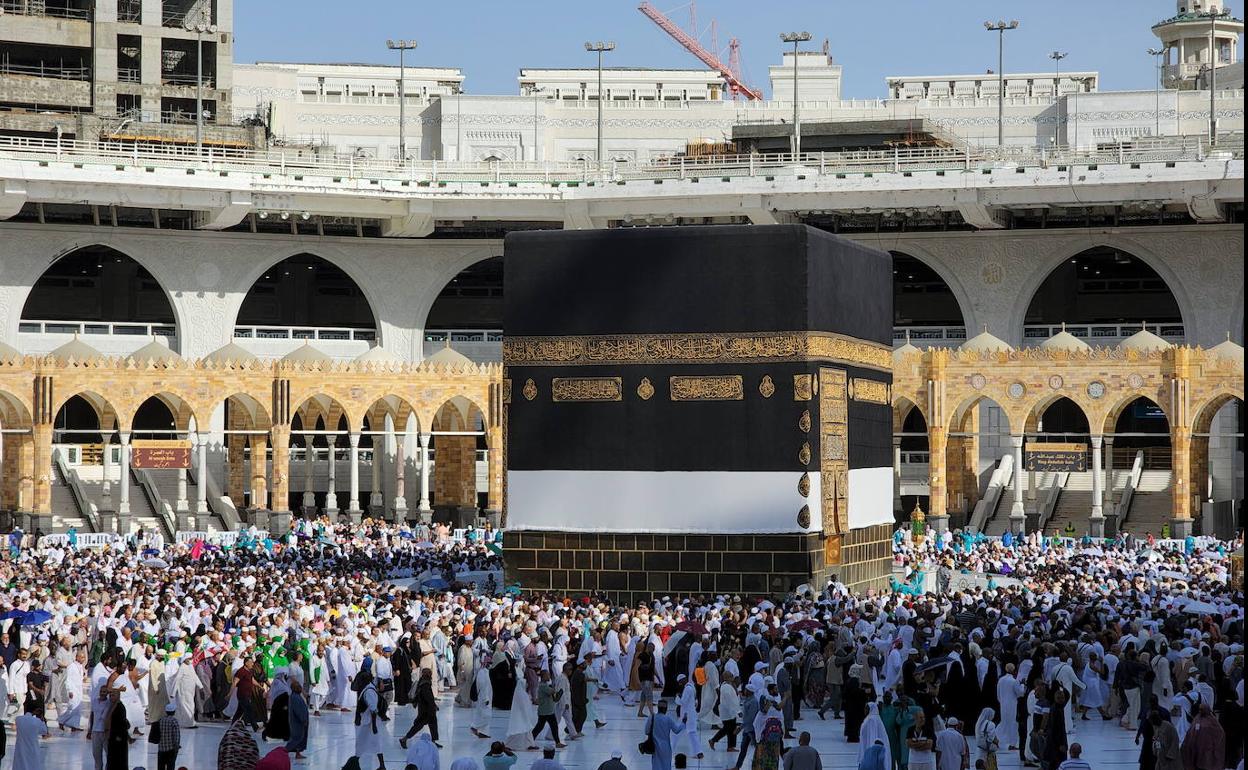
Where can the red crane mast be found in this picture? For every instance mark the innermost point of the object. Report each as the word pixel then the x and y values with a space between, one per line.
pixel 728 71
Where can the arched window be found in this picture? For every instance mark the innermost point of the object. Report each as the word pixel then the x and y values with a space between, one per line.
pixel 306 291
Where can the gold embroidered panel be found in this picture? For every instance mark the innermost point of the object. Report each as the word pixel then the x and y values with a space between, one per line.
pixel 694 348
pixel 586 389
pixel 719 387
pixel 833 449
pixel 803 387
pixel 870 391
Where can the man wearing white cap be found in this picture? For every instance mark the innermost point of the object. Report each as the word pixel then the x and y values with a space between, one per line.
pixel 169 738
pixel 687 712
pixel 952 751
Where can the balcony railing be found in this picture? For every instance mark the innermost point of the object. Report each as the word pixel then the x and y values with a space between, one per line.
pixel 186 79
pixel 304 333
pixel 129 75
pixel 1102 334
pixel 124 329
pixel 30 8
pixel 425 173
pixel 929 334
pixel 46 71
pixel 465 335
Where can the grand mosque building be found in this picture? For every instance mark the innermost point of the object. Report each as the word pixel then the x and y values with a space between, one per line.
pixel 318 317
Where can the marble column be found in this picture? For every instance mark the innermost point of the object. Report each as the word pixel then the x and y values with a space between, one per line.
pixel 331 492
pixel 181 504
pixel 375 496
pixel 400 480
pixel 1096 523
pixel 123 502
pixel 353 505
pixel 1109 469
pixel 201 475
pixel 1018 514
pixel 107 486
pixel 309 494
pixel 426 439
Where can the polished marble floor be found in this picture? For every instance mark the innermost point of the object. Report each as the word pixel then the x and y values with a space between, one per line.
pixel 332 741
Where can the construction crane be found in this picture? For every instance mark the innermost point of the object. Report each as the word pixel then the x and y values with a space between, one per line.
pixel 728 71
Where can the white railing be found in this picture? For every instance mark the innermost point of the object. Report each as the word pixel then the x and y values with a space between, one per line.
pixel 929 333
pixel 87 509
pixel 1123 508
pixel 465 335
pixel 217 538
pixel 997 483
pixel 1092 333
pixel 304 333
pixel 338 167
pixel 114 328
pixel 160 508
pixel 916 457
pixel 1049 504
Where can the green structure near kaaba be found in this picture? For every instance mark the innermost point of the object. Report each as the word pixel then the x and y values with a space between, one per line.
pixel 697 410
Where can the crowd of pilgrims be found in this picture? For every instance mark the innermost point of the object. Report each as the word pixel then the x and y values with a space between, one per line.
pixel 269 635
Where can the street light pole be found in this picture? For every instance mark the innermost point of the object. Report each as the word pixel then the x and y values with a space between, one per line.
pixel 199 27
pixel 1157 53
pixel 1057 57
pixel 536 91
pixel 1213 15
pixel 600 47
pixel 795 38
pixel 1000 28
pixel 401 46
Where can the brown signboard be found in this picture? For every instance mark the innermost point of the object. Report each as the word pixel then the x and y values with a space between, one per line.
pixel 1056 458
pixel 150 453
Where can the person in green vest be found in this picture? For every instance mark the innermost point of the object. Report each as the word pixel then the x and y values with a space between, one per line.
pixel 1070 529
pixel 1165 531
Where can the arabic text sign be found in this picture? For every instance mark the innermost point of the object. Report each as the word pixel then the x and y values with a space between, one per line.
pixel 150 453
pixel 1059 458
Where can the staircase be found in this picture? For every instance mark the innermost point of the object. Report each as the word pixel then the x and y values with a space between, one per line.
pixel 1152 505
pixel 1000 522
pixel 141 513
pixel 65 512
pixel 1074 505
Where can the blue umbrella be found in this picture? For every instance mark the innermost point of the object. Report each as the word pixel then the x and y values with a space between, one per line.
pixel 36 617
pixel 436 583
pixel 13 615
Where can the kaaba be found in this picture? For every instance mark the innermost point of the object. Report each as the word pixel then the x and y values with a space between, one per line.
pixel 696 410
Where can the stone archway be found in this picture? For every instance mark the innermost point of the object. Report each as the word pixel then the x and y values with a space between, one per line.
pixel 100 290
pixel 1102 294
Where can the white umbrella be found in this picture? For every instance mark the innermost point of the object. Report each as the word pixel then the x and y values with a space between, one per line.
pixel 672 641
pixel 1200 608
pixel 156 562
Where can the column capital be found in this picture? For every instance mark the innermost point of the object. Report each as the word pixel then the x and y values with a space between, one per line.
pixel 426 439
pixel 124 436
pixel 203 437
pixel 1016 441
pixel 1096 440
pixel 353 438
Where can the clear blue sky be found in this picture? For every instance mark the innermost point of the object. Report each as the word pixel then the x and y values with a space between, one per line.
pixel 492 39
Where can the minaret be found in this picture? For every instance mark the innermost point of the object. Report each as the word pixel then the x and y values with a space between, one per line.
pixel 1185 37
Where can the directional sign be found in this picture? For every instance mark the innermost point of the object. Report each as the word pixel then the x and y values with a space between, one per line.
pixel 152 453
pixel 1056 458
